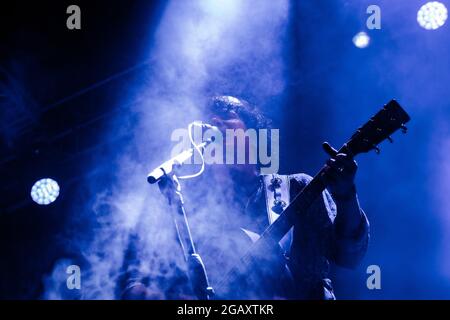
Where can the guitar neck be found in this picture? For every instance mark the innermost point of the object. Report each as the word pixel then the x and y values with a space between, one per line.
pixel 276 231
pixel 302 201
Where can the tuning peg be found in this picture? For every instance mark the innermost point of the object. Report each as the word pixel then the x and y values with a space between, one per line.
pixel 377 149
pixel 403 128
pixel 390 139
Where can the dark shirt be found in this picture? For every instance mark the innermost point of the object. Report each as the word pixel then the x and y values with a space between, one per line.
pixel 317 241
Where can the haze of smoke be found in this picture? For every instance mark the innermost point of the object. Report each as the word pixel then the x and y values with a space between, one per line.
pixel 201 48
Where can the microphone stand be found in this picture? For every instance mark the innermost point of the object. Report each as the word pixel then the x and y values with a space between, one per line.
pixel 170 187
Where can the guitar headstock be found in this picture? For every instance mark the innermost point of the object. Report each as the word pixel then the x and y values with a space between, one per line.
pixel 379 128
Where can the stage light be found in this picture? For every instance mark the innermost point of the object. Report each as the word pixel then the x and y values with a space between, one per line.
pixel 432 15
pixel 361 40
pixel 45 191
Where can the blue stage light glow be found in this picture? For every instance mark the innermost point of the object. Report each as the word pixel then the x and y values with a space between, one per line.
pixel 361 40
pixel 432 15
pixel 45 191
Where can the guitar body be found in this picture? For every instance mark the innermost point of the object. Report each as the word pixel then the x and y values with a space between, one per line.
pixel 265 275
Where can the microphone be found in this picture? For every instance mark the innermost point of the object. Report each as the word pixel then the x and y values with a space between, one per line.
pixel 168 166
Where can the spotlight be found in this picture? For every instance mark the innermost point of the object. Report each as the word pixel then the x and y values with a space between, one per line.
pixel 45 191
pixel 361 40
pixel 432 15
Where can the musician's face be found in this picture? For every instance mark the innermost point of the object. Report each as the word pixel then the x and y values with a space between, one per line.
pixel 231 121
pixel 228 120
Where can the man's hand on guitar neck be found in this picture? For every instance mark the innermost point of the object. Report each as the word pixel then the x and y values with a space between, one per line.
pixel 341 170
